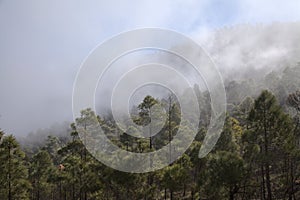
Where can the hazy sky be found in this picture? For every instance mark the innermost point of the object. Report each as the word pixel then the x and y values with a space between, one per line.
pixel 42 43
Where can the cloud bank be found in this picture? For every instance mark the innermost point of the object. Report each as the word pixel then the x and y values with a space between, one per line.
pixel 44 42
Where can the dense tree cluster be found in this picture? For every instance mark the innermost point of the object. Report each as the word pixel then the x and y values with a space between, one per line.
pixel 256 157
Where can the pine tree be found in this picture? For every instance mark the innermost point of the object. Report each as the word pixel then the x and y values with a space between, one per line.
pixel 14 174
pixel 40 170
pixel 293 101
pixel 79 178
pixel 269 129
pixel 146 114
pixel 226 171
pixel 226 167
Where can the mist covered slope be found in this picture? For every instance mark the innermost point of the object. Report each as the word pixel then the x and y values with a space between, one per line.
pixel 249 57
pixel 241 49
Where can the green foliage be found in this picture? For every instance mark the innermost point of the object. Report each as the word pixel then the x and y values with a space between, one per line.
pixel 40 172
pixel 226 172
pixel 13 171
pixel 256 157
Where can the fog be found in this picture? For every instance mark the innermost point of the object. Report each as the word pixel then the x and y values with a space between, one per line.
pixel 240 49
pixel 44 43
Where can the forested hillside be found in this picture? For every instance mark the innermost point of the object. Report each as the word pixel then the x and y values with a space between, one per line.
pixel 256 157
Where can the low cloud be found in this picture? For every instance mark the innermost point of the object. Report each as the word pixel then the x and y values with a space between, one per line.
pixel 44 42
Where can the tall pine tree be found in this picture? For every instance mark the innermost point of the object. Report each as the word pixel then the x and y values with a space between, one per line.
pixel 14 174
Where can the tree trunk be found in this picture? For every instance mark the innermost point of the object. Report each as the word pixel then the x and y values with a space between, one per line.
pixel 192 194
pixel 231 195
pixel 263 190
pixel 9 175
pixel 267 166
pixel 268 181
pixel 38 189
